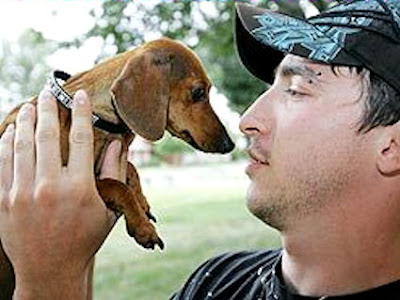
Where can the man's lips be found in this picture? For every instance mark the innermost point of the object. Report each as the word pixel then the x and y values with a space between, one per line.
pixel 257 162
pixel 256 158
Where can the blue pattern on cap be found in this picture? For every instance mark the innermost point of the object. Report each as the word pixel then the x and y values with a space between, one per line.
pixel 359 5
pixel 373 6
pixel 323 41
pixel 394 6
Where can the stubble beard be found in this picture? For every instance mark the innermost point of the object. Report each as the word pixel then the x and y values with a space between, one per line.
pixel 283 206
pixel 270 209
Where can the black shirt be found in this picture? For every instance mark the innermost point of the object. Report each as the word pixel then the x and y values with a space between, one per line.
pixel 255 275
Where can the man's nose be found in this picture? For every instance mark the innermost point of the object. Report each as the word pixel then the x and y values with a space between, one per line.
pixel 257 118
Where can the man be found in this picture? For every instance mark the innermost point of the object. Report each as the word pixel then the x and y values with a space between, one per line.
pixel 324 169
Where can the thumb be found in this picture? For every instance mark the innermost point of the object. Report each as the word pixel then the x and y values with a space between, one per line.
pixel 111 167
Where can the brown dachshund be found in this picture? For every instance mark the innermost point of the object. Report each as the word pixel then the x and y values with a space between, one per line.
pixel 156 87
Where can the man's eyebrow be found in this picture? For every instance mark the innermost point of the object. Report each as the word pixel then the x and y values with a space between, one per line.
pixel 292 70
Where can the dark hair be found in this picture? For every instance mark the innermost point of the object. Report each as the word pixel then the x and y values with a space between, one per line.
pixel 382 106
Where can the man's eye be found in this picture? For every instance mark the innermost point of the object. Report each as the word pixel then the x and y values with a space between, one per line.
pixel 198 94
pixel 293 92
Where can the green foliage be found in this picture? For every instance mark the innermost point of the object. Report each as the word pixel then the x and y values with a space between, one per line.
pixel 128 24
pixel 216 47
pixel 109 25
pixel 23 68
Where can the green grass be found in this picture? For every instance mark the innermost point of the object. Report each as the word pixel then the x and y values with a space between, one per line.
pixel 195 223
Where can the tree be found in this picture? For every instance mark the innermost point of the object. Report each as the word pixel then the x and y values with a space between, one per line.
pixel 23 68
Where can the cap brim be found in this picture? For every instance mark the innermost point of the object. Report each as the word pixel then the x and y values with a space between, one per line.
pixel 259 59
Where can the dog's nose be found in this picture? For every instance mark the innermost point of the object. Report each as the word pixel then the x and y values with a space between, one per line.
pixel 227 145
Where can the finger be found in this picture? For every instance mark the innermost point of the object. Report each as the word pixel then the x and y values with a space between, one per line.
pixel 112 218
pixel 24 147
pixel 111 167
pixel 6 158
pixel 81 137
pixel 47 137
pixel 123 165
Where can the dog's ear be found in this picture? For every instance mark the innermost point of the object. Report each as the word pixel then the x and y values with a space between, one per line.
pixel 141 93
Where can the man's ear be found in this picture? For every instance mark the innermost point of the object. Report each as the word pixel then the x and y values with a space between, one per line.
pixel 388 161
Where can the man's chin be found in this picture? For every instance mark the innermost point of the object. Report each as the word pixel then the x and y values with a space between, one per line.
pixel 265 210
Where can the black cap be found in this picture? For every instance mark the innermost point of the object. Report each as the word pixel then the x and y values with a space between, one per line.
pixel 354 33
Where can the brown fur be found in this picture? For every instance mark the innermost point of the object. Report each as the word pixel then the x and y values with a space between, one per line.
pixel 151 89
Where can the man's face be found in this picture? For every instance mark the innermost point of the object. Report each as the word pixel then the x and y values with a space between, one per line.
pixel 305 151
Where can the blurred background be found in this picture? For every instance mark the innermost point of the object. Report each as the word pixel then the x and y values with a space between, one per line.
pixel 199 198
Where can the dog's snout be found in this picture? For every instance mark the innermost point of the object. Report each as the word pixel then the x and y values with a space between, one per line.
pixel 227 145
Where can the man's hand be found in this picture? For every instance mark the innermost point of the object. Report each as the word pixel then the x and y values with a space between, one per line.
pixel 52 219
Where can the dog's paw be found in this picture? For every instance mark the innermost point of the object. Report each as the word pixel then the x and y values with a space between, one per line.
pixel 151 245
pixel 151 216
pixel 145 235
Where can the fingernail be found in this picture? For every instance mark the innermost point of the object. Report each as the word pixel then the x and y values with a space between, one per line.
pixel 10 129
pixel 8 133
pixel 80 97
pixel 45 95
pixel 26 108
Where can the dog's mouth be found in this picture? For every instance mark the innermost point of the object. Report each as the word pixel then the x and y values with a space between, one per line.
pixel 187 137
pixel 184 135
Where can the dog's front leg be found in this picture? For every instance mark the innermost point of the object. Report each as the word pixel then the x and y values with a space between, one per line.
pixel 133 181
pixel 120 198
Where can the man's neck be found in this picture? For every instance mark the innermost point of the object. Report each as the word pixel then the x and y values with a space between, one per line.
pixel 336 256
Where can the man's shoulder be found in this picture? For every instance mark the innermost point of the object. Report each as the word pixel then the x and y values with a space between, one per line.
pixel 224 273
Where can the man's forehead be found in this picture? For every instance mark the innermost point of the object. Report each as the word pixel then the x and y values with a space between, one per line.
pixel 297 65
pixel 293 65
pixel 295 59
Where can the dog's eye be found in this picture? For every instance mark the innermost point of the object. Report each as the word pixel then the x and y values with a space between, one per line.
pixel 198 93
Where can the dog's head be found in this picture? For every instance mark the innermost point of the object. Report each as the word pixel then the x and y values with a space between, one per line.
pixel 163 86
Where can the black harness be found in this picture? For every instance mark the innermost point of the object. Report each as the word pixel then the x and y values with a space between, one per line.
pixel 58 92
